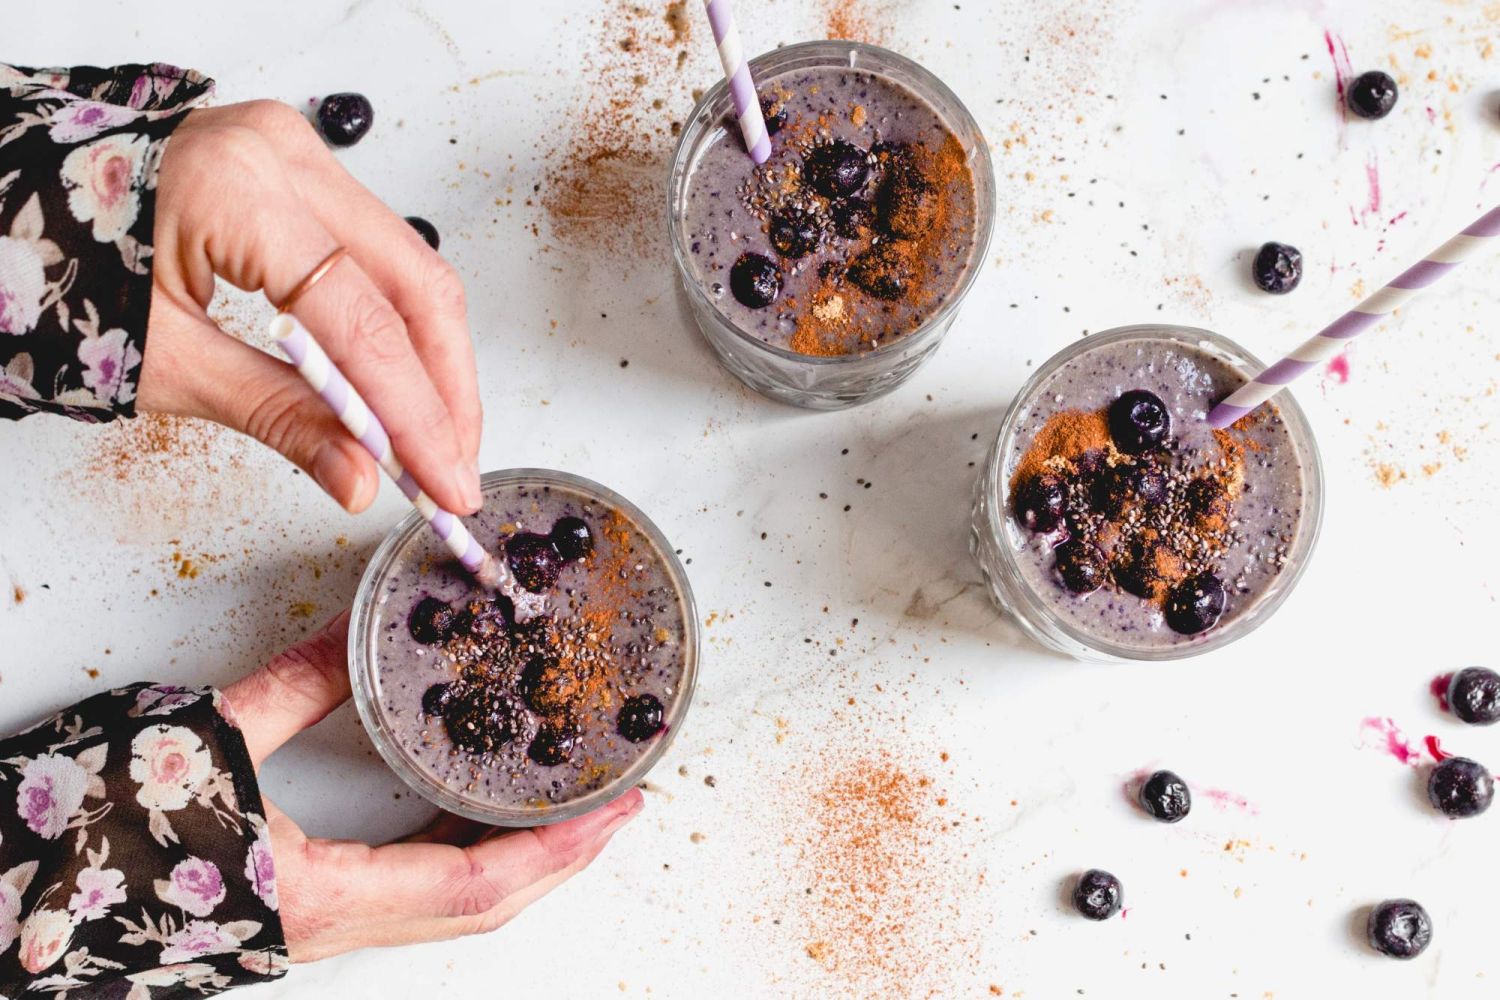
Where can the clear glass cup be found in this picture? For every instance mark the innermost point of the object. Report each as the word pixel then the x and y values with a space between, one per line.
pixel 412 539
pixel 826 383
pixel 995 538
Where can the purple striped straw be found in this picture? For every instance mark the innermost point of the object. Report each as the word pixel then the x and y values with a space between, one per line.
pixel 320 373
pixel 1336 335
pixel 741 87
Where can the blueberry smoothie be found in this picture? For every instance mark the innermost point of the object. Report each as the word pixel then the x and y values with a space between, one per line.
pixel 1134 521
pixel 524 717
pixel 857 228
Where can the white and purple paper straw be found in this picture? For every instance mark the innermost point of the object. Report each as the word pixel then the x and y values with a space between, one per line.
pixel 741 86
pixel 320 373
pixel 1335 336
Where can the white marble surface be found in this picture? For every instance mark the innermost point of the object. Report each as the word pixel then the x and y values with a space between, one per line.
pixel 1089 104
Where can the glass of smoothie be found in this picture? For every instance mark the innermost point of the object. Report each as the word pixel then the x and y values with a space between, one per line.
pixel 1113 523
pixel 526 723
pixel 827 275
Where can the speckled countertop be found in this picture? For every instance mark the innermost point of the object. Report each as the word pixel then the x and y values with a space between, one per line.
pixel 1143 150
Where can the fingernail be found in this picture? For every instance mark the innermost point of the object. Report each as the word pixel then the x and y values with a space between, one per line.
pixel 468 487
pixel 325 469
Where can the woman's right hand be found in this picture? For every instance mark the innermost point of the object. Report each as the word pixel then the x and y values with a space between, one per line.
pixel 452 879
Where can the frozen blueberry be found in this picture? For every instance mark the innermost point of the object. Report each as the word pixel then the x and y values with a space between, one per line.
pixel 881 271
pixel 545 686
pixel 431 621
pixel 553 744
pixel 1372 94
pixel 836 170
pixel 640 718
pixel 1165 796
pixel 1081 566
pixel 480 721
pixel 774 112
pixel 435 699
pixel 537 634
pixel 572 538
pixel 852 217
pixel 534 560
pixel 1474 696
pixel 1040 501
pixel 907 204
pixel 1195 604
pixel 1277 268
pixel 754 280
pixel 1460 787
pixel 1399 928
pixel 794 234
pixel 424 229
pixel 1206 497
pixel 345 118
pixel 1138 421
pixel 486 619
pixel 1122 485
pixel 1098 894
pixel 1138 572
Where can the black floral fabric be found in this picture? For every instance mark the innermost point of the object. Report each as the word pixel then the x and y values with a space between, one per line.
pixel 135 861
pixel 79 153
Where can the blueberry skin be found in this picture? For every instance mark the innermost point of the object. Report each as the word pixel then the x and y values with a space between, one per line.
pixel 424 229
pixel 1196 604
pixel 1277 268
pixel 1081 566
pixel 431 621
pixel 640 718
pixel 1138 421
pixel 1371 95
pixel 1399 928
pixel 836 170
pixel 345 118
pixel 1474 696
pixel 1460 787
pixel 1039 502
pixel 794 235
pixel 572 538
pixel 534 560
pixel 1166 797
pixel 553 744
pixel 1098 894
pixel 754 280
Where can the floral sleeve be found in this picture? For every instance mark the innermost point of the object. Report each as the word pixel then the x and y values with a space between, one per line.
pixel 135 862
pixel 79 153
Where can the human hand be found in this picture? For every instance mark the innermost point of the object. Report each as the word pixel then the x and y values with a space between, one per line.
pixel 451 879
pixel 250 193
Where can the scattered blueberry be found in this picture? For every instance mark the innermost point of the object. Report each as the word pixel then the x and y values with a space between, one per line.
pixel 435 699
pixel 1040 501
pixel 1460 787
pixel 1372 94
pixel 1082 566
pixel 907 204
pixel 431 621
pixel 1195 604
pixel 486 619
pixel 1138 421
pixel 640 718
pixel 572 538
pixel 1098 894
pixel 534 560
pixel 537 633
pixel 345 118
pixel 1399 928
pixel 754 280
pixel 774 112
pixel 1122 485
pixel 881 272
pixel 1165 796
pixel 1206 497
pixel 1277 268
pixel 794 234
pixel 1137 573
pixel 544 686
pixel 1474 696
pixel 424 229
pixel 553 744
pixel 480 721
pixel 852 217
pixel 836 170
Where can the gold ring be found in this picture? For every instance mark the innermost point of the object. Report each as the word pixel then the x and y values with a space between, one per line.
pixel 313 277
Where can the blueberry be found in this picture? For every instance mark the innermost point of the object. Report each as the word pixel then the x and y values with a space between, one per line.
pixel 794 234
pixel 1277 268
pixel 534 561
pixel 1207 497
pixel 881 271
pixel 424 229
pixel 907 204
pixel 1082 566
pixel 1399 928
pixel 1195 604
pixel 480 721
pixel 345 118
pixel 640 718
pixel 1138 421
pixel 1165 796
pixel 537 634
pixel 1372 94
pixel 572 538
pixel 773 110
pixel 1040 501
pixel 1474 696
pixel 545 686
pixel 431 621
pixel 489 619
pixel 1138 572
pixel 1460 787
pixel 435 699
pixel 754 280
pixel 1098 894
pixel 553 744
pixel 1123 485
pixel 852 217
pixel 836 170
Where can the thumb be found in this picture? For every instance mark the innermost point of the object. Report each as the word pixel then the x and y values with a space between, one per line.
pixel 294 691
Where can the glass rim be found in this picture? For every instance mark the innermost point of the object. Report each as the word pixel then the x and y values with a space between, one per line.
pixel 981 167
pixel 996 491
pixel 362 669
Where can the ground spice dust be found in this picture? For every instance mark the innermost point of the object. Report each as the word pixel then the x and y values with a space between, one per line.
pixel 859 20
